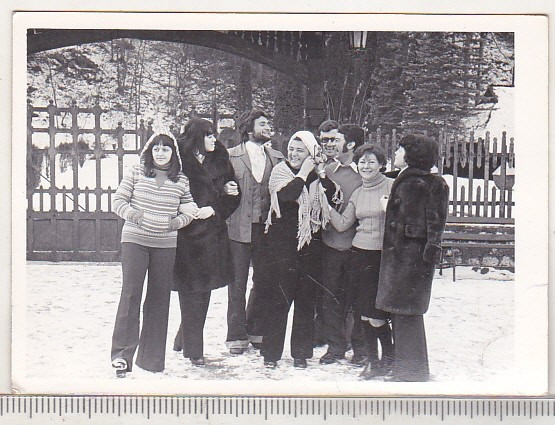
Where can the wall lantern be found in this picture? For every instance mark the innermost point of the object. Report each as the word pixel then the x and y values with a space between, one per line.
pixel 357 39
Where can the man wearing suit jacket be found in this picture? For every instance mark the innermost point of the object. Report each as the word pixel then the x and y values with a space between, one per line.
pixel 253 161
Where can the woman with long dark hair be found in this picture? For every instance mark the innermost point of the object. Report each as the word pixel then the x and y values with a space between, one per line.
pixel 148 199
pixel 203 260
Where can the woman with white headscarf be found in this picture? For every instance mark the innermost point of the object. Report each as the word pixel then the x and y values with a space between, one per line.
pixel 299 192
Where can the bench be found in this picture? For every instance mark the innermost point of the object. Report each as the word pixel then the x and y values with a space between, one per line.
pixel 476 234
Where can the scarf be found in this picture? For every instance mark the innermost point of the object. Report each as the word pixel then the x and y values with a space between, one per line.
pixel 313 205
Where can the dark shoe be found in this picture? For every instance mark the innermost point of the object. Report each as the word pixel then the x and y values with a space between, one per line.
pixel 330 358
pixel 270 364
pixel 256 345
pixel 360 360
pixel 199 361
pixel 236 351
pixel 299 363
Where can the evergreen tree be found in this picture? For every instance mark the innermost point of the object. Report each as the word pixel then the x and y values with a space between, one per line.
pixel 387 100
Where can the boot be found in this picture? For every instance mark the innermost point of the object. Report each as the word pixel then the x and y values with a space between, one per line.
pixel 373 365
pixel 388 349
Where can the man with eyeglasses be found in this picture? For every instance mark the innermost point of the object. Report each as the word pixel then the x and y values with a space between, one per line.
pixel 328 139
pixel 336 297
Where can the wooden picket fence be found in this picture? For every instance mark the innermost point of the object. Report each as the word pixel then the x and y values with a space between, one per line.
pixel 73 221
pixel 480 171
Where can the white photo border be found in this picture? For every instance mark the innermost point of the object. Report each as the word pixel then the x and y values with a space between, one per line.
pixel 531 198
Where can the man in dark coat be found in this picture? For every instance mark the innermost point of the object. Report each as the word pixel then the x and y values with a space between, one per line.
pixel 253 162
pixel 415 220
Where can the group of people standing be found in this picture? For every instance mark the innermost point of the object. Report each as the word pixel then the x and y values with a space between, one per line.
pixel 323 229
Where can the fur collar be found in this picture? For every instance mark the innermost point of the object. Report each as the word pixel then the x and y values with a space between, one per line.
pixel 214 161
pixel 410 171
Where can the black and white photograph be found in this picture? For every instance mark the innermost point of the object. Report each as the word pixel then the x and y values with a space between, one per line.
pixel 226 205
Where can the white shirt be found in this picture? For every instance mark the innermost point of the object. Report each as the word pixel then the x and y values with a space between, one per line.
pixel 352 165
pixel 257 156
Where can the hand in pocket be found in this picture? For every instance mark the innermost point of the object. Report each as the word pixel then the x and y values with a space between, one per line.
pixel 173 224
pixel 136 216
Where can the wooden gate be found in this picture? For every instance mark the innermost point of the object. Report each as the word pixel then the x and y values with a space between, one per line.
pixel 71 219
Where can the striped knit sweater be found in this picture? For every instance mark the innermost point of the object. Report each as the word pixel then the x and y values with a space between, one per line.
pixel 159 205
pixel 365 206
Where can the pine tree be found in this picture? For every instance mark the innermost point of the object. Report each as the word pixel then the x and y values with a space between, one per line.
pixel 425 81
pixel 387 100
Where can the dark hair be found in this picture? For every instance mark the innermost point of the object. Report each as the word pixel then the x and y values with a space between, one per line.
pixel 368 149
pixel 247 119
pixel 352 133
pixel 175 168
pixel 191 140
pixel 328 125
pixel 420 151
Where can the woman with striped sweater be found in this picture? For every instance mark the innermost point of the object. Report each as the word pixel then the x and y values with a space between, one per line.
pixel 148 199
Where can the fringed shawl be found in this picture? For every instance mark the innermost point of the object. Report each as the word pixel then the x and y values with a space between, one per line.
pixel 313 205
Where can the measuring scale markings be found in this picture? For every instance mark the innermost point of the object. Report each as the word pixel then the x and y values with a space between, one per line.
pixel 268 407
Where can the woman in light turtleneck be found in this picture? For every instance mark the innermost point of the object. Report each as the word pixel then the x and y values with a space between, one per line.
pixel 367 205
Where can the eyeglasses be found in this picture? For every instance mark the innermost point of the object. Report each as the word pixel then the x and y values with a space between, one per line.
pixel 328 139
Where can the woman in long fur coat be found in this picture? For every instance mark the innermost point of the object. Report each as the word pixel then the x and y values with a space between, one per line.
pixel 414 223
pixel 203 258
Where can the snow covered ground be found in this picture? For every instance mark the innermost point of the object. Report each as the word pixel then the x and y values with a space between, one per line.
pixel 70 311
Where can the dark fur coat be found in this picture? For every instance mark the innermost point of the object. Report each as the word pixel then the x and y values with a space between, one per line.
pixel 414 223
pixel 203 259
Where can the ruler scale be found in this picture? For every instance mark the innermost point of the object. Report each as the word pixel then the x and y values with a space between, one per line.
pixel 235 409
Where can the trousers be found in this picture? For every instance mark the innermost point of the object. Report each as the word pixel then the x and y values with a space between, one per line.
pixel 136 260
pixel 410 361
pixel 194 307
pixel 244 319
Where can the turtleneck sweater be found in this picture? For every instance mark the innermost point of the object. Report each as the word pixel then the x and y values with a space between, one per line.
pixel 364 206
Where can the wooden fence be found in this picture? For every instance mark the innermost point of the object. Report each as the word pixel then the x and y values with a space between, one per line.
pixel 72 220
pixel 480 171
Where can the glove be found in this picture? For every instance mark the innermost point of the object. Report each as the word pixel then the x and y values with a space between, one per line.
pixel 204 213
pixel 190 208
